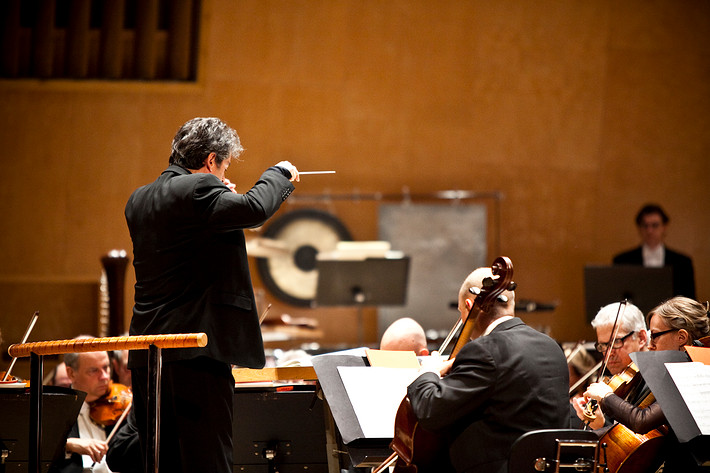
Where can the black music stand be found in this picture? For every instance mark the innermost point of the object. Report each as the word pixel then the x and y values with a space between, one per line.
pixel 362 451
pixel 652 365
pixel 279 430
pixel 643 287
pixel 362 282
pixel 61 405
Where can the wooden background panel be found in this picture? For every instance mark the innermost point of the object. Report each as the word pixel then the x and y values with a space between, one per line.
pixel 576 112
pixel 66 309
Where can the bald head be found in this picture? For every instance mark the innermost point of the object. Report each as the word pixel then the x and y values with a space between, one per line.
pixel 405 334
pixel 475 279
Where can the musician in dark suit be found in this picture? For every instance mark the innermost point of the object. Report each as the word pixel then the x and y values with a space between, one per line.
pixel 510 379
pixel 192 275
pixel 652 223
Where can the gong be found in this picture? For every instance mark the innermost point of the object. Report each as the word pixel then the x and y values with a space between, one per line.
pixel 292 276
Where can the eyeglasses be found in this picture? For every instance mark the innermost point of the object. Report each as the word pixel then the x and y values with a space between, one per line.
pixel 654 336
pixel 617 343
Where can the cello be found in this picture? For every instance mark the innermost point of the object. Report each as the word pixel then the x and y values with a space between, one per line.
pixel 416 449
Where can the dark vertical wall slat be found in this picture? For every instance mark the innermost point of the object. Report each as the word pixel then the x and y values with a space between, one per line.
pixel 9 54
pixel 47 47
pixel 42 40
pixel 179 36
pixel 145 46
pixel 77 45
pixel 111 49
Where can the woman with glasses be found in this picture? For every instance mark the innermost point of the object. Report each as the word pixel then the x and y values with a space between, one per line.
pixel 673 325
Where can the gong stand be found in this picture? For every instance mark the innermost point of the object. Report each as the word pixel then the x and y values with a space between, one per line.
pixel 154 343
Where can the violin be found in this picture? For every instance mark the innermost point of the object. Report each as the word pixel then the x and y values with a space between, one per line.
pixel 415 448
pixel 622 383
pixel 108 409
pixel 7 378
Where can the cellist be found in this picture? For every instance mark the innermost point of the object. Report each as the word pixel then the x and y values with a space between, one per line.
pixel 674 324
pixel 508 380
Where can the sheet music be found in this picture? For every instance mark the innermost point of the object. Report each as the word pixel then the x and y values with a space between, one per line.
pixel 375 394
pixel 693 382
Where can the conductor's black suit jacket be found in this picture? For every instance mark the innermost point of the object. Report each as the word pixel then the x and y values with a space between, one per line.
pixel 501 385
pixel 683 273
pixel 192 273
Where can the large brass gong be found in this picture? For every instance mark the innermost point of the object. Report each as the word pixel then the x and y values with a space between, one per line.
pixel 293 276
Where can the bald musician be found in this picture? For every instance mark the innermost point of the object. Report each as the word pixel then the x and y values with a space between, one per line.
pixel 508 380
pixel 405 334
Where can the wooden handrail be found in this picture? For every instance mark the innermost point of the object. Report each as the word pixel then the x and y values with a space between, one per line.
pixel 135 342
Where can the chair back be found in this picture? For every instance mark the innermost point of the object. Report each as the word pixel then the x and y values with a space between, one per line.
pixel 555 450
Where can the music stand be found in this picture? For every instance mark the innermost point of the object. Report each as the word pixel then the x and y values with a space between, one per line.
pixel 643 287
pixel 368 281
pixel 266 440
pixel 62 407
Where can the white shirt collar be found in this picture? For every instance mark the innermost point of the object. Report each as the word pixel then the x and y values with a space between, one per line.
pixel 496 323
pixel 653 257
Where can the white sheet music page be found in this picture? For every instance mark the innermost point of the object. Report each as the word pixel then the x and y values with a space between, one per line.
pixel 693 382
pixel 375 394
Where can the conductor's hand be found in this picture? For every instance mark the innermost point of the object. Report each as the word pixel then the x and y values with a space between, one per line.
pixel 96 449
pixel 232 187
pixel 290 168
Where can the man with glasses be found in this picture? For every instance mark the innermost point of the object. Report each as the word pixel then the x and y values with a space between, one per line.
pixel 652 222
pixel 631 336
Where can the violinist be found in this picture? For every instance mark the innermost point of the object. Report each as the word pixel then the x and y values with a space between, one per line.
pixel 674 324
pixel 58 376
pixel 86 443
pixel 631 336
pixel 508 380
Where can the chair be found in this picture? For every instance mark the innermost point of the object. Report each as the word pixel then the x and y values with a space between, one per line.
pixel 554 450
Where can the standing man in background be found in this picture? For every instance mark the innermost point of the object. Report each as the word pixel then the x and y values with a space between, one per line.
pixel 192 275
pixel 652 222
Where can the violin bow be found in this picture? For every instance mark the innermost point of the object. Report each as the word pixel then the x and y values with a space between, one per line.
pixel 118 424
pixel 33 321
pixel 615 332
pixel 591 406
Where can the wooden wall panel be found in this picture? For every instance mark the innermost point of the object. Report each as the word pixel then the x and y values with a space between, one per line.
pixel 577 112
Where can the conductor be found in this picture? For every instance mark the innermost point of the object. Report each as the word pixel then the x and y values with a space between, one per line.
pixel 192 275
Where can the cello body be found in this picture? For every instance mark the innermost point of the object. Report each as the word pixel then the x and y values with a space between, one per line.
pixel 418 450
pixel 629 452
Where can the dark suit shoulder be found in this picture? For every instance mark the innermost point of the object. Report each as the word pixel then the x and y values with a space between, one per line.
pixel 677 256
pixel 633 256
